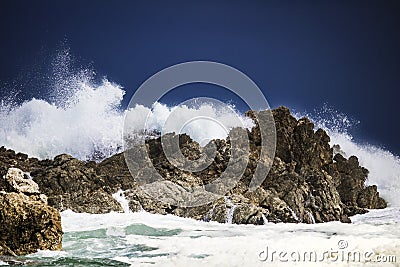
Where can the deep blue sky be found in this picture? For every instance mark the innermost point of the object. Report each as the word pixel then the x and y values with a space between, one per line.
pixel 301 53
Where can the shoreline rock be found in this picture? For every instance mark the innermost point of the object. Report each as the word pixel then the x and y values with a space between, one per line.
pixel 307 182
pixel 28 223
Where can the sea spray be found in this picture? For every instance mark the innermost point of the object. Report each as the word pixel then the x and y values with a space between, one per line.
pixel 91 125
pixel 383 166
pixel 84 117
pixel 310 217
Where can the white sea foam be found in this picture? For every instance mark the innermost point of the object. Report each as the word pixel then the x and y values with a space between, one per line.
pixel 188 241
pixel 119 196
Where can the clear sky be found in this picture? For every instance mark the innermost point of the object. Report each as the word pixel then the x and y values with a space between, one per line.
pixel 300 53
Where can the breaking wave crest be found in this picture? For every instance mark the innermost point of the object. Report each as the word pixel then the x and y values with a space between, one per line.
pixel 85 119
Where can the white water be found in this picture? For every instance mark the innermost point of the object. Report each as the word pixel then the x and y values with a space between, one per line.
pixel 90 123
pixel 383 166
pixel 311 217
pixel 230 211
pixel 294 214
pixel 119 196
pixel 265 220
pixel 164 240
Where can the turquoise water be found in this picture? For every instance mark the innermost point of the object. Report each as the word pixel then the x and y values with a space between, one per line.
pixel 143 239
pixel 99 247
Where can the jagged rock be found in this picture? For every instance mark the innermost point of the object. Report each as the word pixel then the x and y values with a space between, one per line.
pixel 248 214
pixel 350 176
pixel 17 181
pixel 306 182
pixel 284 124
pixel 350 184
pixel 138 200
pixel 338 150
pixel 369 198
pixel 203 212
pixel 70 184
pixel 27 222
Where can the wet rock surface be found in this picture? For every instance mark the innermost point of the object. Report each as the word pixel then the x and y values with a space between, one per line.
pixel 306 183
pixel 27 222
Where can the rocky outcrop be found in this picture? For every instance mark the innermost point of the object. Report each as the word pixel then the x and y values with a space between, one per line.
pixel 307 182
pixel 28 223
pixel 72 184
pixel 350 183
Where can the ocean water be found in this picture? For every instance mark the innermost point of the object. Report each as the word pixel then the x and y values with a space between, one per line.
pixel 85 118
pixel 143 239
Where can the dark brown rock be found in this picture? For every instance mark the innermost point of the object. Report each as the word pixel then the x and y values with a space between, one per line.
pixel 350 180
pixel 369 198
